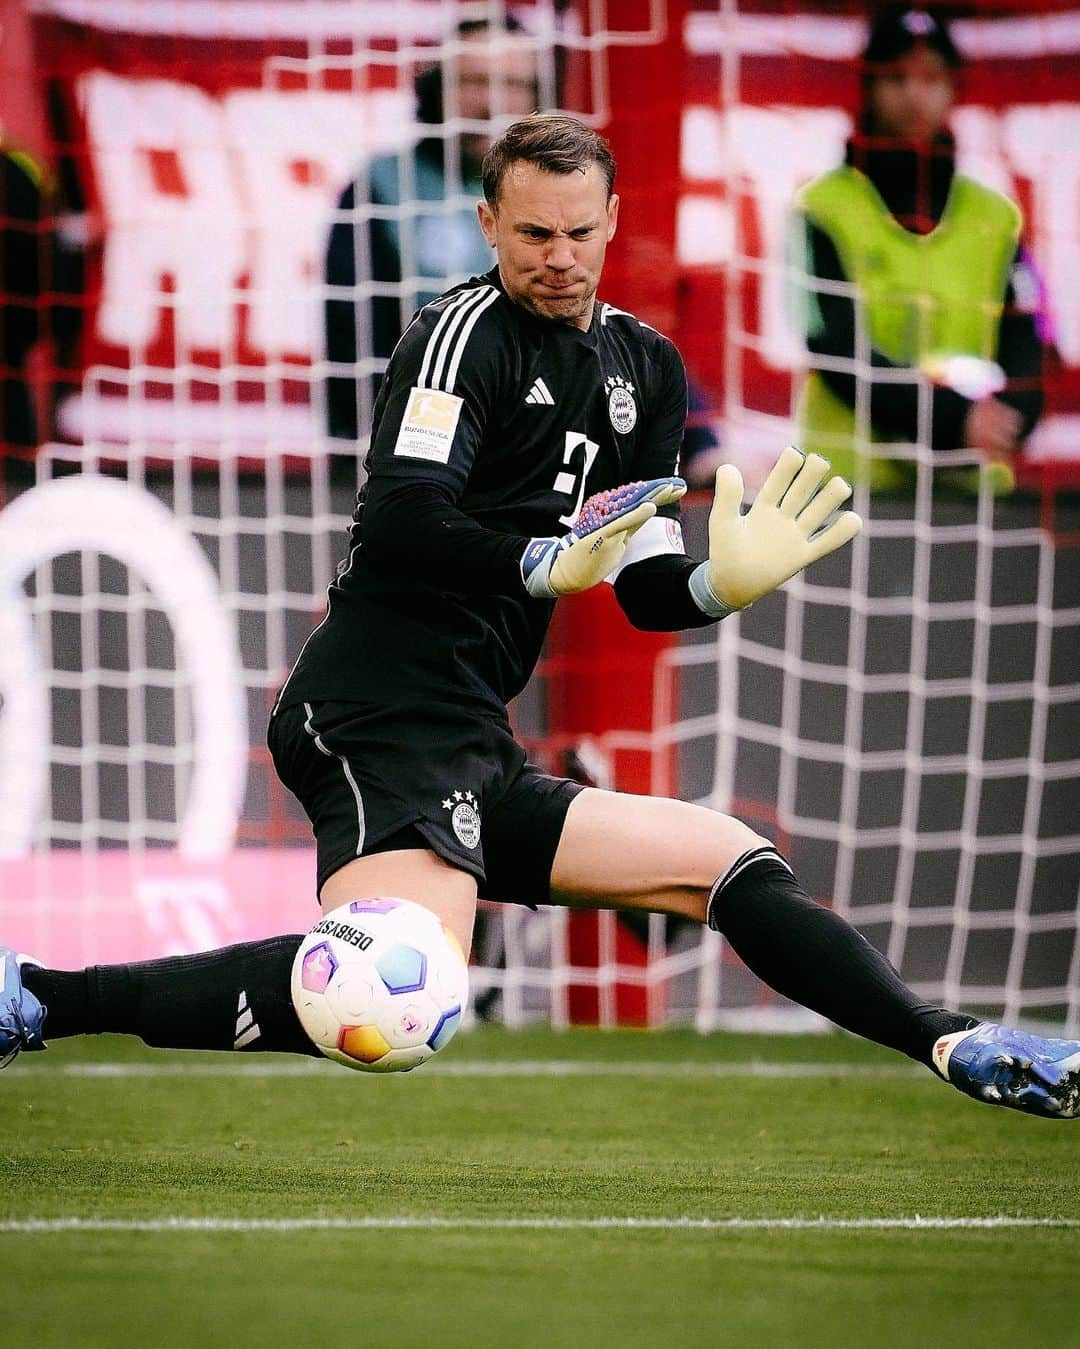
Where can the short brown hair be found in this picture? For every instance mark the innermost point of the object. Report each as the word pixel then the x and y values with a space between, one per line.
pixel 551 141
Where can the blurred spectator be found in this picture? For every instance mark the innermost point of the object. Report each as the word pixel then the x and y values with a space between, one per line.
pixel 942 289
pixel 40 279
pixel 22 216
pixel 426 233
pixel 702 451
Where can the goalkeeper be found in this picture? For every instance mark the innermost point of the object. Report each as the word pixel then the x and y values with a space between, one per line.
pixel 525 446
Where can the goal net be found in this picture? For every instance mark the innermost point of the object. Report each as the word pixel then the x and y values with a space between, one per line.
pixel 904 721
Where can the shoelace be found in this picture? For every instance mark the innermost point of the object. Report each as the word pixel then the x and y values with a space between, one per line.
pixel 24 1035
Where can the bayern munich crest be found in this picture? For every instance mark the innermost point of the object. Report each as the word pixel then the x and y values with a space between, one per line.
pixel 464 817
pixel 621 406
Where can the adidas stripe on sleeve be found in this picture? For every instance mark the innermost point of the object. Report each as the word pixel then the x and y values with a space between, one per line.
pixel 446 345
pixel 440 385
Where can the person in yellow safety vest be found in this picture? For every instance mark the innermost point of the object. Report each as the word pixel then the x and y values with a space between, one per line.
pixel 938 336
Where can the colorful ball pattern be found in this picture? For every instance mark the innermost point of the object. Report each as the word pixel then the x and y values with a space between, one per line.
pixel 380 984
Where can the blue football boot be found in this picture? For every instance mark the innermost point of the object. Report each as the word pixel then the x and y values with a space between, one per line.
pixel 22 1017
pixel 1013 1068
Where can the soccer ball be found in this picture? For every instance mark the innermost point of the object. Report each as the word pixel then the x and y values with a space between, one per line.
pixel 380 985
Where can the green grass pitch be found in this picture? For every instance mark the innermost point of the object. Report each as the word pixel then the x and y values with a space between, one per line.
pixel 531 1150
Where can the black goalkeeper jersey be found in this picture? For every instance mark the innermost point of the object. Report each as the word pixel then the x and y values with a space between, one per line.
pixel 491 427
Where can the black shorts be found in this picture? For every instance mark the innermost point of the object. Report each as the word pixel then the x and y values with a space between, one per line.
pixel 374 779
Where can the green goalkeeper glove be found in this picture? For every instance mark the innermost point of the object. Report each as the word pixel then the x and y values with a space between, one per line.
pixel 751 554
pixel 596 544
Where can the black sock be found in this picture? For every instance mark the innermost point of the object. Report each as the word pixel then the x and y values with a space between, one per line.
pixel 235 998
pixel 812 956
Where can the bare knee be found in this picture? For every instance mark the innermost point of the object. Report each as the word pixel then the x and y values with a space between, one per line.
pixel 739 838
pixel 730 839
pixel 712 842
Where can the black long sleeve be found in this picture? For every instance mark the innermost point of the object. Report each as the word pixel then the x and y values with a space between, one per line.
pixel 415 530
pixel 654 595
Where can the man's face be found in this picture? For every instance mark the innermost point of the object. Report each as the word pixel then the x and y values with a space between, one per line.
pixel 492 79
pixel 551 232
pixel 911 100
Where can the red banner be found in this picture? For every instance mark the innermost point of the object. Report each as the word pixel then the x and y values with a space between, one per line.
pixel 210 141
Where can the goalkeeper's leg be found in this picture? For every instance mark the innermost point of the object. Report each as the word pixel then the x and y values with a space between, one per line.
pixel 239 997
pixel 234 998
pixel 648 853
pixel 652 853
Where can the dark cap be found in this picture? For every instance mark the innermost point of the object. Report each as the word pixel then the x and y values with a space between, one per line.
pixel 899 28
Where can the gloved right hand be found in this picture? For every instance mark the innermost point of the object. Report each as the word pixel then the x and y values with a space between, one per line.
pixel 751 554
pixel 597 541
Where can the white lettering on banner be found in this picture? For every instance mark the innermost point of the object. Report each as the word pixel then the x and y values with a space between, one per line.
pixel 231 198
pixel 130 904
pixel 979 147
pixel 172 209
pixel 116 519
pixel 186 914
pixel 1043 143
pixel 778 153
pixel 296 151
pixel 206 191
pixel 774 150
pixel 842 37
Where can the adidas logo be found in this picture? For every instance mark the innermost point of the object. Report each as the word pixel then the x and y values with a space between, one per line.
pixel 540 393
pixel 943 1050
pixel 247 1028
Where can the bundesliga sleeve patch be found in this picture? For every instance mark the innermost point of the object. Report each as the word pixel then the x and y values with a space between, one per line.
pixel 428 426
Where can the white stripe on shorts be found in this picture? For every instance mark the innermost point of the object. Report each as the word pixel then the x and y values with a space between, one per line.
pixel 360 822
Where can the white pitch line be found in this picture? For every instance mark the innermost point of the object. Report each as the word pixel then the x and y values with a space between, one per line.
pixel 27 1226
pixel 242 1066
